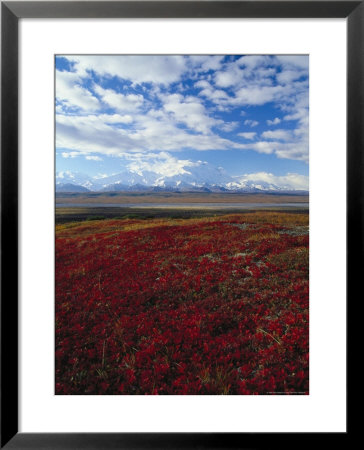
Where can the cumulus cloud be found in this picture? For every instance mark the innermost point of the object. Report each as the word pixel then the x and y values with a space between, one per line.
pixel 71 94
pixel 76 154
pixel 300 61
pixel 120 102
pixel 93 158
pixel 256 80
pixel 189 111
pixel 70 154
pixel 155 130
pixel 229 126
pixel 259 95
pixel 169 103
pixel 215 95
pixel 204 63
pixel 116 118
pixel 288 76
pixel 202 84
pixel 289 181
pixel 229 77
pixel 294 149
pixel 248 135
pixel 161 163
pixel 137 69
pixel 283 135
pixel 254 61
pixel 275 121
pixel 251 123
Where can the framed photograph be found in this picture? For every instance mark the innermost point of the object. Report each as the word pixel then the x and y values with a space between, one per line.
pixel 180 221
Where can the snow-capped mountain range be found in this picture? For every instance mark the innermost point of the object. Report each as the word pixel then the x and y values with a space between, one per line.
pixel 203 177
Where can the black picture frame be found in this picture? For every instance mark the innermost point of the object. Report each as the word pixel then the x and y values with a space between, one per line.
pixel 11 12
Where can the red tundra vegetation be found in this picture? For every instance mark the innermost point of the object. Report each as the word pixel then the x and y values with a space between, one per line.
pixel 216 305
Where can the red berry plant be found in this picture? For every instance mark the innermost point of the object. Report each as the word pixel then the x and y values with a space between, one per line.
pixel 217 305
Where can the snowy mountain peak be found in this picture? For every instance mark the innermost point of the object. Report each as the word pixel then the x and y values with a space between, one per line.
pixel 196 176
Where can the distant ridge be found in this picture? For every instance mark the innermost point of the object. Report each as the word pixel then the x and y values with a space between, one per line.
pixel 69 187
pixel 200 178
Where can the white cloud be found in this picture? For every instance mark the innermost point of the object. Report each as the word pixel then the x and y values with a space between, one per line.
pixel 204 63
pixel 289 181
pixel 287 150
pixel 264 147
pixel 156 130
pixel 157 69
pixel 275 121
pixel 71 94
pixel 86 134
pixel 120 102
pixel 229 77
pixel 189 111
pixel 215 95
pixel 245 72
pixel 116 118
pixel 300 61
pixel 75 154
pixel 93 158
pixel 100 176
pixel 283 135
pixel 153 117
pixel 259 95
pixel 70 154
pixel 251 123
pixel 287 76
pixel 229 126
pixel 161 163
pixel 202 84
pixel 253 61
pixel 248 135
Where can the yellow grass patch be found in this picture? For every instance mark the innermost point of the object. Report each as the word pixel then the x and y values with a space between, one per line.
pixel 84 228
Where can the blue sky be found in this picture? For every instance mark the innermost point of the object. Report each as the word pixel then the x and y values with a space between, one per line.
pixel 247 114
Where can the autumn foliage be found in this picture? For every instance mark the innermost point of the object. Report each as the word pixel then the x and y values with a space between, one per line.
pixel 216 305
